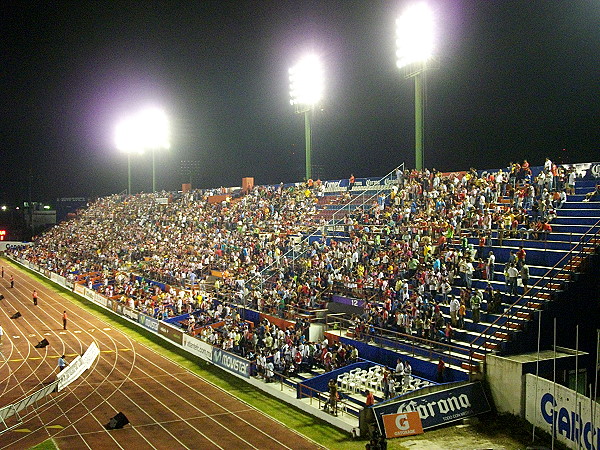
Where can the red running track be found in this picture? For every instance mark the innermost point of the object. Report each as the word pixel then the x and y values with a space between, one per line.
pixel 167 406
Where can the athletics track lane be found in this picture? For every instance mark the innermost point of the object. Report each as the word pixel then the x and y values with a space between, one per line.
pixel 168 406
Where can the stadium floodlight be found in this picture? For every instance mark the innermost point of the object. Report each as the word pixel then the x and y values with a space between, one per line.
pixel 146 130
pixel 306 91
pixel 414 49
pixel 126 140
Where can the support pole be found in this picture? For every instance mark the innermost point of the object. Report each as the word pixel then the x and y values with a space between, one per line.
pixel 419 121
pixel 129 173
pixel 308 138
pixel 153 173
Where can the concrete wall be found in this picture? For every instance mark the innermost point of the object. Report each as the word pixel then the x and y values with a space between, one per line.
pixel 505 378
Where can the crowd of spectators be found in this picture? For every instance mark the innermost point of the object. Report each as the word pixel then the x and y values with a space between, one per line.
pixel 404 253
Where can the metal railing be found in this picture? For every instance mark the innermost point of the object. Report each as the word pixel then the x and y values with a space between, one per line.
pixel 366 198
pixel 323 399
pixel 415 345
pixel 557 274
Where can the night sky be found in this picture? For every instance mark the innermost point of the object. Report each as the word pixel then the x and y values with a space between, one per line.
pixel 516 79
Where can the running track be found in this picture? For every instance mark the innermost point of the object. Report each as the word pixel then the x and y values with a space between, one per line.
pixel 167 406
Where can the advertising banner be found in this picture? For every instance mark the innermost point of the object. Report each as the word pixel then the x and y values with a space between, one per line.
pixel 586 171
pixel 61 280
pixel 77 366
pixel 197 347
pixel 89 294
pixel 118 307
pixel 399 425
pixel 363 184
pixel 148 322
pixel 560 411
pixel 100 299
pixel 348 301
pixel 78 289
pixel 440 407
pixel 173 334
pixel 131 313
pixel 231 362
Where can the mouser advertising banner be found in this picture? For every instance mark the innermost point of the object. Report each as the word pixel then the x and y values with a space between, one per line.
pixel 440 407
pixel 231 362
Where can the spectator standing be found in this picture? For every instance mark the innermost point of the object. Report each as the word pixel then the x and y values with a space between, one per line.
pixel 521 254
pixel 333 396
pixel 370 401
pixel 448 333
pixel 351 181
pixel 469 269
pixel 476 305
pixel 399 372
pixel 441 369
pixel 512 273
pixel 491 263
pixel 525 277
pixel 462 311
pixel 62 363
pixel 407 374
pixel 454 307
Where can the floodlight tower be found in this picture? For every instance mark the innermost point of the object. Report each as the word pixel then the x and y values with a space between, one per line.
pixel 126 140
pixel 306 90
pixel 146 130
pixel 156 135
pixel 414 49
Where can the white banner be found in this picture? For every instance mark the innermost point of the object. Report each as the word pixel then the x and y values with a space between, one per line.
pixel 197 347
pixel 100 299
pixel 131 313
pixel 79 365
pixel 553 409
pixel 89 293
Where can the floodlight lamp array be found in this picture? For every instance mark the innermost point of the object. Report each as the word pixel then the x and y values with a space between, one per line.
pixel 306 82
pixel 147 130
pixel 414 35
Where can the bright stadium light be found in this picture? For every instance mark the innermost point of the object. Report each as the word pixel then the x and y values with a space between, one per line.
pixel 146 130
pixel 414 50
pixel 414 35
pixel 306 91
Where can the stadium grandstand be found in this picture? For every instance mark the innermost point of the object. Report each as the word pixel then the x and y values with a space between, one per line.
pixel 358 300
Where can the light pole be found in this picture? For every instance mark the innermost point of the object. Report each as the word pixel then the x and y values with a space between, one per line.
pixel 126 140
pixel 414 49
pixel 156 134
pixel 306 90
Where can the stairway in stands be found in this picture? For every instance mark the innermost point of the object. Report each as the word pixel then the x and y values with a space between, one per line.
pixel 553 264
